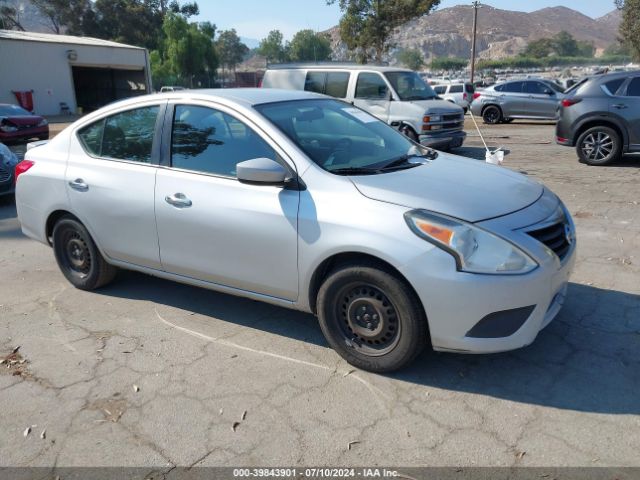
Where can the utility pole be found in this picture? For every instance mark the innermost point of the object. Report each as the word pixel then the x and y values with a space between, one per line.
pixel 476 6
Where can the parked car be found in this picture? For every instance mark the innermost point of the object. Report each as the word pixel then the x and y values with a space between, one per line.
pixel 459 93
pixel 8 162
pixel 306 202
pixel 600 116
pixel 536 99
pixel 171 89
pixel 398 97
pixel 17 124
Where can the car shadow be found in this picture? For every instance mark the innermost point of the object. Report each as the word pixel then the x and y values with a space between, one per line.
pixel 9 224
pixel 586 360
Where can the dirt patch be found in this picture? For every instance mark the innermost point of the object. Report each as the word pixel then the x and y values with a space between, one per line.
pixel 15 364
pixel 111 408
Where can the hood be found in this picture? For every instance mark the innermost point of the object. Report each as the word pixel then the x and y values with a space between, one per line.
pixel 24 120
pixel 435 106
pixel 456 186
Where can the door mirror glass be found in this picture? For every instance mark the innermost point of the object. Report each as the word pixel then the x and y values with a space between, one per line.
pixel 261 171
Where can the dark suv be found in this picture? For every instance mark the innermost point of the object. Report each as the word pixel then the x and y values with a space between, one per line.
pixel 600 116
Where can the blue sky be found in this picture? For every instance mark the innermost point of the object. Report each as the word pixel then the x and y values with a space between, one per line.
pixel 255 18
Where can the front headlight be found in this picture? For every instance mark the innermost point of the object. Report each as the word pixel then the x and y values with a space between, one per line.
pixel 43 122
pixel 475 250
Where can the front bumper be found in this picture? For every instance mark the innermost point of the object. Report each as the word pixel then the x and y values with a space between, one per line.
pixel 455 302
pixel 446 139
pixel 41 133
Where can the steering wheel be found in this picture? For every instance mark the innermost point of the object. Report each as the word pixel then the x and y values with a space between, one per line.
pixel 342 146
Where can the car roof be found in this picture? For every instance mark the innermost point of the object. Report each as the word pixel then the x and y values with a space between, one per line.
pixel 247 97
pixel 336 66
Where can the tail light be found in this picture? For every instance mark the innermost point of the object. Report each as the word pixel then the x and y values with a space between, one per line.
pixel 464 96
pixel 476 95
pixel 22 167
pixel 567 102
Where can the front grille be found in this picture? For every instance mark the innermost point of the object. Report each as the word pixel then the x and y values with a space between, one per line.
pixel 5 175
pixel 554 237
pixel 453 118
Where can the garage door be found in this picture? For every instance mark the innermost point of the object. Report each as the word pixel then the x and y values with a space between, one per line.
pixel 96 87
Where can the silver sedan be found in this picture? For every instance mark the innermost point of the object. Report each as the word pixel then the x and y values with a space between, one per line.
pixel 306 202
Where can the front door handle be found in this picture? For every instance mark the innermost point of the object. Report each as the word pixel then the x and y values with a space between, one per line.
pixel 79 185
pixel 620 106
pixel 178 200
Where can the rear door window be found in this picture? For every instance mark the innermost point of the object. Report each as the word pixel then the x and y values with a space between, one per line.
pixel 633 90
pixel 612 86
pixel 315 82
pixel 440 89
pixel 513 87
pixel 124 136
pixel 336 84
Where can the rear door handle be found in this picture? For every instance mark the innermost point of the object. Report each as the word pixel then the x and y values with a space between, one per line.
pixel 620 106
pixel 79 185
pixel 178 200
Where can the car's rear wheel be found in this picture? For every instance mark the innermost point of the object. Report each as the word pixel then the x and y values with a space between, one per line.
pixel 492 115
pixel 78 257
pixel 371 318
pixel 599 146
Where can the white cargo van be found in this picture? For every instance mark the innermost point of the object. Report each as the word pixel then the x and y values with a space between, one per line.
pixel 397 96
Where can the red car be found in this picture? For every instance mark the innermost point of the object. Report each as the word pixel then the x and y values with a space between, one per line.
pixel 17 124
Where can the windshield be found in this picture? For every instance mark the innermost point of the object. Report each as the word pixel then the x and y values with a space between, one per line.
pixel 343 139
pixel 410 86
pixel 12 111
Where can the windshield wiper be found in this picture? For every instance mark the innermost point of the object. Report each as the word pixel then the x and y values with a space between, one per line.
pixel 354 171
pixel 403 161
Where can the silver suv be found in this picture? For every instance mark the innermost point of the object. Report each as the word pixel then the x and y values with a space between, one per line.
pixel 536 99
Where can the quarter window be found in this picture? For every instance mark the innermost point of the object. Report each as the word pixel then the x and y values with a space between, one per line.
pixel 371 86
pixel 455 89
pixel 123 136
pixel 210 141
pixel 633 90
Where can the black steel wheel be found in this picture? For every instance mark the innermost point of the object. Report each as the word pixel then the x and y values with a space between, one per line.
pixel 492 115
pixel 372 318
pixel 599 146
pixel 78 257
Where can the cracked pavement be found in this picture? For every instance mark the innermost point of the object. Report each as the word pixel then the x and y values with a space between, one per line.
pixel 150 373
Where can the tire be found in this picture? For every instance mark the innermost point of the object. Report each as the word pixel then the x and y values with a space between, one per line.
pixel 599 146
pixel 492 115
pixel 409 133
pixel 78 258
pixel 391 329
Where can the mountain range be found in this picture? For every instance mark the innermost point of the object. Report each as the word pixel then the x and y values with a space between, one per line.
pixel 501 33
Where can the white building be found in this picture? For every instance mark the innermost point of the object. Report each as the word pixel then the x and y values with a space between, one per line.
pixel 70 72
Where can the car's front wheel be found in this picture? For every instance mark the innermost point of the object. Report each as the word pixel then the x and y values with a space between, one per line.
pixel 371 318
pixel 599 146
pixel 78 257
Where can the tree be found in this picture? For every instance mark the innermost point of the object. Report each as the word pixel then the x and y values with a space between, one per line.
pixel 367 24
pixel 231 50
pixel 9 16
pixel 308 46
pixel 188 54
pixel 630 25
pixel 449 63
pixel 539 48
pixel 411 58
pixel 272 47
pixel 564 45
pixel 65 15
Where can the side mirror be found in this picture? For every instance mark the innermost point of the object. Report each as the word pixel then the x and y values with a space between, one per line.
pixel 261 171
pixel 549 92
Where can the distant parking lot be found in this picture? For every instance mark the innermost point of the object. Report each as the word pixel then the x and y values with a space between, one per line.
pixel 146 372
